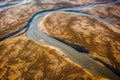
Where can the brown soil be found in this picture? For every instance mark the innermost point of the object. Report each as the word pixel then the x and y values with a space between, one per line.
pixel 102 41
pixel 22 59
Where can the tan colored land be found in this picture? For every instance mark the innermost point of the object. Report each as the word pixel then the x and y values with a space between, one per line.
pixel 14 18
pixel 102 42
pixel 78 2
pixel 22 59
pixel 109 11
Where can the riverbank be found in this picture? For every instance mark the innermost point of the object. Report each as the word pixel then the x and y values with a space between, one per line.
pixel 86 32
pixel 29 60
pixel 83 60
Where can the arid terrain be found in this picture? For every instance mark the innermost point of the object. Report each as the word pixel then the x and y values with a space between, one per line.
pixel 109 11
pixel 12 19
pixel 101 41
pixel 24 59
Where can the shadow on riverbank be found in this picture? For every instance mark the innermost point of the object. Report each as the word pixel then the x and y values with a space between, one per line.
pixel 75 46
pixel 86 51
pixel 116 71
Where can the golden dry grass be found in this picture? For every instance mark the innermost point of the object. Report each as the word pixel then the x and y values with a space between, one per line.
pixel 22 59
pixel 102 42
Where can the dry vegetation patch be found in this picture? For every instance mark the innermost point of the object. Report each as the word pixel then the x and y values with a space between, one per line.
pixel 21 58
pixel 102 42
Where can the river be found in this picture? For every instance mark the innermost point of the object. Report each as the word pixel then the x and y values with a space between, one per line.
pixel 34 33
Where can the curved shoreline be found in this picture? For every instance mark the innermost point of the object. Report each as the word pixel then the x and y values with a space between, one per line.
pixel 85 61
pixel 52 10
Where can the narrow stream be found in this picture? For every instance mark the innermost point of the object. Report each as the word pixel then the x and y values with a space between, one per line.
pixel 18 3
